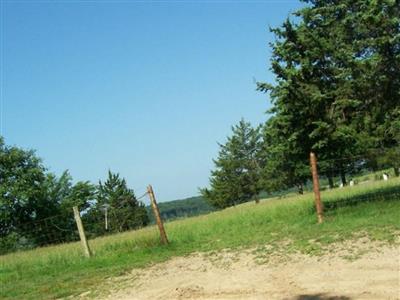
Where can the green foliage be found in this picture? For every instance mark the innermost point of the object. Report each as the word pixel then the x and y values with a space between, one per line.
pixel 36 206
pixel 15 241
pixel 236 178
pixel 124 211
pixel 337 90
pixel 23 194
pixel 391 157
pixel 285 166
pixel 81 195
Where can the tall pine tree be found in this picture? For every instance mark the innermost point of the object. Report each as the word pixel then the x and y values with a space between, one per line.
pixel 337 82
pixel 236 178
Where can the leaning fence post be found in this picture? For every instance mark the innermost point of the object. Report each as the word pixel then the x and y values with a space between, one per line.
pixel 81 231
pixel 314 171
pixel 157 215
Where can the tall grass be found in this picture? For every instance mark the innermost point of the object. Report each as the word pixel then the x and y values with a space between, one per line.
pixel 60 271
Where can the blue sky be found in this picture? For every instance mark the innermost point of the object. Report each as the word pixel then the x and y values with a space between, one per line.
pixel 146 89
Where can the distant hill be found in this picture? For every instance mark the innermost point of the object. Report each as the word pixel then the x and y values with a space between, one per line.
pixel 183 208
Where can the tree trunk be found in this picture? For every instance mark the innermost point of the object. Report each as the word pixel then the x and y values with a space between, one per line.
pixel 330 180
pixel 396 171
pixel 343 177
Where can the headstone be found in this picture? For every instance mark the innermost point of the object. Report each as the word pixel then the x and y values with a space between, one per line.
pixel 351 182
pixel 385 176
pixel 341 185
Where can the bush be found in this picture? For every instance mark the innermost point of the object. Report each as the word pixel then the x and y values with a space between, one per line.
pixel 15 242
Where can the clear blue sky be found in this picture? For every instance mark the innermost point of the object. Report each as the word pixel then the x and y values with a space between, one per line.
pixel 146 89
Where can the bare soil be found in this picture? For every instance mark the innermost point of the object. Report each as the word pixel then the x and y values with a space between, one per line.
pixel 356 270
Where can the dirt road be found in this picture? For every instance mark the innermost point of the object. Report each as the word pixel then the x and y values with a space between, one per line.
pixel 361 274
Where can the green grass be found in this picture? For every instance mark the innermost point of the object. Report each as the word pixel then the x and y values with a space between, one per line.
pixel 60 271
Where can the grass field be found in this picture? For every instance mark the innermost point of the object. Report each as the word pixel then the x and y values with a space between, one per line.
pixel 371 209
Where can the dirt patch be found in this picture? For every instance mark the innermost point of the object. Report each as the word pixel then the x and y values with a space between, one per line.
pixel 361 270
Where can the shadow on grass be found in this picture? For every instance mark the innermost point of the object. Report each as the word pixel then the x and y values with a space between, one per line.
pixel 383 194
pixel 320 297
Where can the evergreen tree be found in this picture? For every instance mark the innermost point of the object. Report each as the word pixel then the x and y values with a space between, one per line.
pixel 285 166
pixel 236 178
pixel 337 88
pixel 124 211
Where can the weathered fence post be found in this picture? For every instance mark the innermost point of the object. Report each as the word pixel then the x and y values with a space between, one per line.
pixel 106 218
pixel 81 231
pixel 314 171
pixel 157 215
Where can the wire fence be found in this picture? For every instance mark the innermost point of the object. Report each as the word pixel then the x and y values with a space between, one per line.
pixel 375 165
pixel 62 228
pixel 48 231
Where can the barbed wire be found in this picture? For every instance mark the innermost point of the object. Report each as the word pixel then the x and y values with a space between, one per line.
pixel 62 228
pixel 32 222
pixel 141 197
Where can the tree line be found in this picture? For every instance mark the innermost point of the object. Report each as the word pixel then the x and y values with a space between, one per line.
pixel 36 205
pixel 182 208
pixel 336 92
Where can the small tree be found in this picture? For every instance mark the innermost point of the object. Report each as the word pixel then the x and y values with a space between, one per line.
pixel 236 178
pixel 125 212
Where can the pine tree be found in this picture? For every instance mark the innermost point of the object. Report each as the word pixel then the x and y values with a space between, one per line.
pixel 337 89
pixel 285 166
pixel 236 177
pixel 125 212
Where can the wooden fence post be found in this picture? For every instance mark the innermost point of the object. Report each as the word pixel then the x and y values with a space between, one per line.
pixel 82 235
pixel 314 171
pixel 157 215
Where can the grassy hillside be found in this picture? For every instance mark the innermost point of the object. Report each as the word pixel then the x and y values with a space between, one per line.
pixel 370 209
